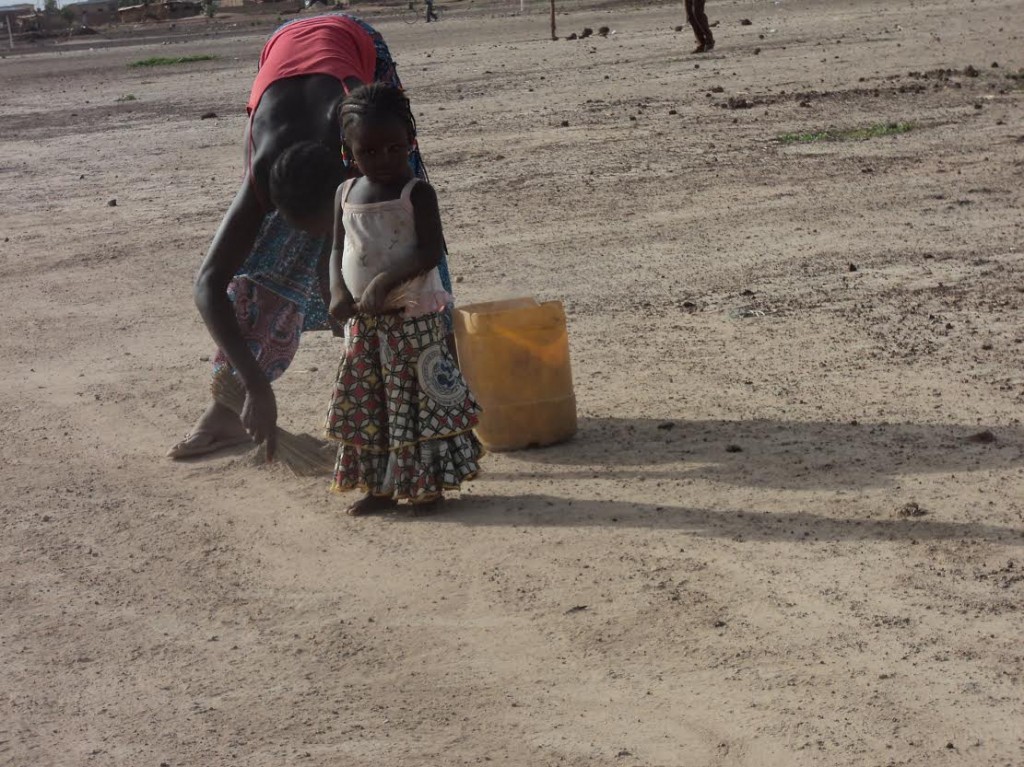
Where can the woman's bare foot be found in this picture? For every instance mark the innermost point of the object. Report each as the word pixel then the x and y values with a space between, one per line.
pixel 369 503
pixel 217 428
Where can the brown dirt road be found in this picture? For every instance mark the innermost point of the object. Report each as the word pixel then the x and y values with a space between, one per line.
pixel 776 347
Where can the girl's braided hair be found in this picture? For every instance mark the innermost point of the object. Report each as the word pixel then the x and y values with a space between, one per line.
pixel 377 100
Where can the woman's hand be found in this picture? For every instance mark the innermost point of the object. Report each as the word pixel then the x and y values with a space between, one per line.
pixel 375 295
pixel 259 416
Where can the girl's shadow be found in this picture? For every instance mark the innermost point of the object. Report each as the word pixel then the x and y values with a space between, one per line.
pixel 779 454
pixel 733 524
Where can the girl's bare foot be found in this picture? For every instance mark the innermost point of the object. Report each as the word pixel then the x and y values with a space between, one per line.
pixel 369 503
pixel 429 505
pixel 217 428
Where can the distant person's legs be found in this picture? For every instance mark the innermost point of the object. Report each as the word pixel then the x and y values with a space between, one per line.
pixel 698 21
pixel 702 19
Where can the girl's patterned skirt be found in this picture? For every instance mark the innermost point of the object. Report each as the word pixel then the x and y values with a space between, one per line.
pixel 401 411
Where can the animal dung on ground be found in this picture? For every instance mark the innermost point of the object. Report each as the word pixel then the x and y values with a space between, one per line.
pixel 208 116
pixel 587 32
pixel 982 437
pixel 603 31
pixel 745 22
pixel 912 509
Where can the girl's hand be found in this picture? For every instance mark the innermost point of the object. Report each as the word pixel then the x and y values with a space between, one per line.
pixel 337 328
pixel 342 308
pixel 375 295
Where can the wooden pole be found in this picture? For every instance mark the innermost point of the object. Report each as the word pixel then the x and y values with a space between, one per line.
pixel 553 35
pixel 10 35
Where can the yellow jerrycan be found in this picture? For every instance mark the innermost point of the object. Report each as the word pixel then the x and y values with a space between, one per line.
pixel 514 354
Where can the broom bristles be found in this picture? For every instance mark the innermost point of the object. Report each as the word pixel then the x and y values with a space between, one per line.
pixel 303 454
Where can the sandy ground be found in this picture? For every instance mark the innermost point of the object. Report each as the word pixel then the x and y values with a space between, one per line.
pixel 776 348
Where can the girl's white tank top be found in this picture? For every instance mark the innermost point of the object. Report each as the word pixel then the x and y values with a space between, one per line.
pixel 380 236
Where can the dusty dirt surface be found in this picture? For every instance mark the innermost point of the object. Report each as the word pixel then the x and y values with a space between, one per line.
pixel 789 531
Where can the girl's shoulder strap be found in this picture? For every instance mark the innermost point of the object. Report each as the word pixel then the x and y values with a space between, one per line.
pixel 346 188
pixel 407 190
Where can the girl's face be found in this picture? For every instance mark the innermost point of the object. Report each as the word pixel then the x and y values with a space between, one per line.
pixel 380 148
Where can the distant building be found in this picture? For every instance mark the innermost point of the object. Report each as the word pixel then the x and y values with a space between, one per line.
pixel 153 11
pixel 10 13
pixel 94 13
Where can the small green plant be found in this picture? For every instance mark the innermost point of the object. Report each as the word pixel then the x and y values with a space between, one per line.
pixel 126 97
pixel 164 61
pixel 847 134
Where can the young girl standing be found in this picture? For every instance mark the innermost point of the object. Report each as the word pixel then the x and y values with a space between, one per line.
pixel 400 410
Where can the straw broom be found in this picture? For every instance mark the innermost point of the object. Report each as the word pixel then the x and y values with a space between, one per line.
pixel 303 454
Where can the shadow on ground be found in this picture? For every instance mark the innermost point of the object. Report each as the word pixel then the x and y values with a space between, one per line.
pixel 734 524
pixel 779 454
